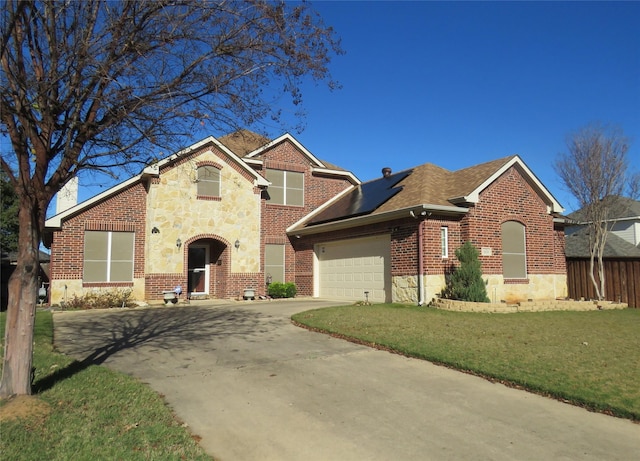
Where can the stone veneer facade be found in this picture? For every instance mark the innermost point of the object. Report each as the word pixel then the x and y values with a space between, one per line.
pixel 164 209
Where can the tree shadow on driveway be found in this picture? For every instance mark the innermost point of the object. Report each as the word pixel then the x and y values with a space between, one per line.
pixel 92 337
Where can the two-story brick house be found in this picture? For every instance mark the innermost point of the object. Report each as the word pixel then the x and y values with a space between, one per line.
pixel 206 219
pixel 230 214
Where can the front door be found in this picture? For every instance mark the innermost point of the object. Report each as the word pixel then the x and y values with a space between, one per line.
pixel 198 266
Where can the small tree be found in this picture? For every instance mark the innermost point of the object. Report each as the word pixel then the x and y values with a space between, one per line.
pixel 595 169
pixel 465 282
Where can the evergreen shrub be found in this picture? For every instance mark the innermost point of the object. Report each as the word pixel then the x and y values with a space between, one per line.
pixel 282 290
pixel 465 282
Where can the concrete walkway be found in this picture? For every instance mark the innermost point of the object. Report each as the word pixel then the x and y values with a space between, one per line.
pixel 255 387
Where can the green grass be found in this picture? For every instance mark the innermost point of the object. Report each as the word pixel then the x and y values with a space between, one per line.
pixel 91 413
pixel 591 359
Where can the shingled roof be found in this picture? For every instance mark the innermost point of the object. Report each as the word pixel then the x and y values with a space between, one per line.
pixel 577 246
pixel 621 208
pixel 420 190
pixel 433 185
pixel 245 142
pixel 242 142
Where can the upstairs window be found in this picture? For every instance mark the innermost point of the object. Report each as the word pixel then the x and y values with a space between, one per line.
pixel 208 181
pixel 514 258
pixel 287 187
pixel 108 256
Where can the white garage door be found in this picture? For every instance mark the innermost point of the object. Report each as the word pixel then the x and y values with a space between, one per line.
pixel 349 268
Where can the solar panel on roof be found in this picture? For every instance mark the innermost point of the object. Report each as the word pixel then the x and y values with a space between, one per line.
pixel 363 200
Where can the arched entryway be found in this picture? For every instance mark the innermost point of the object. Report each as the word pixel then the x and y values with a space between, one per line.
pixel 207 267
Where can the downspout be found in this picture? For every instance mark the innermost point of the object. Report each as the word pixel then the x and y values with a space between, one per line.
pixel 420 265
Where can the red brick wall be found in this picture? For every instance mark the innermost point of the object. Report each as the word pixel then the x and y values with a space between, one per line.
pixel 404 234
pixel 125 211
pixel 434 263
pixel 511 198
pixel 275 219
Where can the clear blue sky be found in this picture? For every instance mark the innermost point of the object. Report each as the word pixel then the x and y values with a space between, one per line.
pixel 461 83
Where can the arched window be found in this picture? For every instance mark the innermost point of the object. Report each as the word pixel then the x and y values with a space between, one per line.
pixel 514 258
pixel 208 181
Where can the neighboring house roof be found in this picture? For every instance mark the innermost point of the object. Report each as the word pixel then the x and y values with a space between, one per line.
pixel 424 189
pixel 577 246
pixel 624 208
pixel 154 171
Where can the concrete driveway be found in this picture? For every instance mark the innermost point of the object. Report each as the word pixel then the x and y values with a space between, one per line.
pixel 255 387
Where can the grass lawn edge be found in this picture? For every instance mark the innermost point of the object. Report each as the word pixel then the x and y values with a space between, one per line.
pixel 594 407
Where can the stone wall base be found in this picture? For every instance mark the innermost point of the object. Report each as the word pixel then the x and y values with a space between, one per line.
pixel 526 306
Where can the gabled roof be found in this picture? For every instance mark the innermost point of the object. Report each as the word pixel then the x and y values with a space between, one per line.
pixel 317 166
pixel 577 246
pixel 154 171
pixel 625 208
pixel 424 189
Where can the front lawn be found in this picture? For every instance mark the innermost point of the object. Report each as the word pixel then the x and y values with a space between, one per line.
pixel 88 413
pixel 590 359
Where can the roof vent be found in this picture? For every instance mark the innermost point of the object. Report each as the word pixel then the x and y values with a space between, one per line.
pixel 386 172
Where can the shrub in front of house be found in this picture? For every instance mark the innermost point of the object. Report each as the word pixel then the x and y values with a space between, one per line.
pixel 282 290
pixel 103 299
pixel 465 282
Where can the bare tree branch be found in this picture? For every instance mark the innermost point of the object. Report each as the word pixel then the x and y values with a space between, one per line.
pixel 94 85
pixel 595 169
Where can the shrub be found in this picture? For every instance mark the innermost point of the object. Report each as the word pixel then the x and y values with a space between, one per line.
pixel 101 300
pixel 465 282
pixel 282 290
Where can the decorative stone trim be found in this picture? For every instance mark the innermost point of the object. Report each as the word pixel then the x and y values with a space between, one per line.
pixel 106 284
pixel 526 306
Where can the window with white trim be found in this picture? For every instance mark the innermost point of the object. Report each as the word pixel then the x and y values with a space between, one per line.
pixel 287 187
pixel 208 181
pixel 274 262
pixel 514 258
pixel 444 242
pixel 108 256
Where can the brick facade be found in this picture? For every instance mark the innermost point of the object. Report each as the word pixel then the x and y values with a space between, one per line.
pixel 128 210
pixel 277 218
pixel 165 209
pixel 124 212
pixel 509 197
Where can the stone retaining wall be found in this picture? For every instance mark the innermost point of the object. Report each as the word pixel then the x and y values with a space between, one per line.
pixel 526 306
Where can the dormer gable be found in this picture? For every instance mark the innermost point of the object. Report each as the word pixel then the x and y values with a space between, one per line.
pixel 279 154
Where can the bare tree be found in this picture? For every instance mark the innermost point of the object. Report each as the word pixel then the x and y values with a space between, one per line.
pixel 595 169
pixel 93 85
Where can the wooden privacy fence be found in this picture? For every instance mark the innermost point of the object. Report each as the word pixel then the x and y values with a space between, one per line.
pixel 621 276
